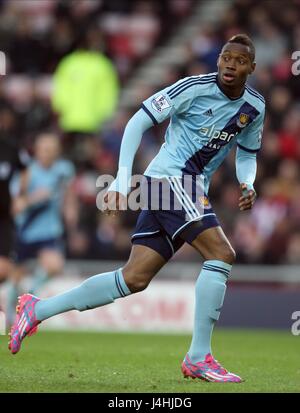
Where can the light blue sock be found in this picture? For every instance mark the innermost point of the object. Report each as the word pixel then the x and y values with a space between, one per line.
pixel 94 292
pixel 210 292
pixel 40 277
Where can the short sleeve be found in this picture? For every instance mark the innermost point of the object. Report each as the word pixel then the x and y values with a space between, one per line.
pixel 172 100
pixel 250 139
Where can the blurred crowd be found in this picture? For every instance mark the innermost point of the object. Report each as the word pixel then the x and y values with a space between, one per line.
pixel 52 44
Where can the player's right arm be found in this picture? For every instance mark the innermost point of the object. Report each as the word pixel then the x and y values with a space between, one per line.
pixel 115 198
pixel 158 107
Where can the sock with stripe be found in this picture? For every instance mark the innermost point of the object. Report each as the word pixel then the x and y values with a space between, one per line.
pixel 210 292
pixel 94 292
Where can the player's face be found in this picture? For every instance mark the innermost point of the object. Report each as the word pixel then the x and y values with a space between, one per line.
pixel 234 65
pixel 46 151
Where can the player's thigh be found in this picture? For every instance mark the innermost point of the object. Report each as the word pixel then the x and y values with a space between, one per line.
pixel 143 264
pixel 51 260
pixel 17 272
pixel 213 244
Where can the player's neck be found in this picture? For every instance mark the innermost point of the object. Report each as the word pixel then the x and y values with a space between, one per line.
pixel 231 93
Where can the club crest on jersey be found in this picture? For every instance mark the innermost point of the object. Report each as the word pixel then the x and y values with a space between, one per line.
pixel 160 103
pixel 242 120
pixel 204 201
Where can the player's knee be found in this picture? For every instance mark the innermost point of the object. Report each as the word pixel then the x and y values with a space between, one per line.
pixel 228 254
pixel 136 280
pixel 222 252
pixel 52 263
pixel 137 283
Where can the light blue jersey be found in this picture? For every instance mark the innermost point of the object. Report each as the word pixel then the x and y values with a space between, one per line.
pixel 204 126
pixel 43 221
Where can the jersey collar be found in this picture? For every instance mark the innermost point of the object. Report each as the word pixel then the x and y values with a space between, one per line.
pixel 228 97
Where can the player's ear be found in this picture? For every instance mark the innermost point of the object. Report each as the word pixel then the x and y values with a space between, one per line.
pixel 253 66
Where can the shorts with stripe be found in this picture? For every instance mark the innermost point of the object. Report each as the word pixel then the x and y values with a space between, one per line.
pixel 179 213
pixel 28 250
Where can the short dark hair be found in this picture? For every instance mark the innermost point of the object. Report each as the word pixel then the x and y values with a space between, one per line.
pixel 245 40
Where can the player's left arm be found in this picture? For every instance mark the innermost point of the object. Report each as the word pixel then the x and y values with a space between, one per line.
pixel 246 172
pixel 248 145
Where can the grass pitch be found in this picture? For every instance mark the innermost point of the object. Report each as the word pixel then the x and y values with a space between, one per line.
pixel 133 363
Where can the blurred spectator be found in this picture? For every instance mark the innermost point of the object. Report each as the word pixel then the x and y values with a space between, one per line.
pixel 85 88
pixel 270 208
pixel 206 47
pixel 270 44
pixel 293 249
pixel 249 244
pixel 289 143
pixel 113 132
pixel 110 238
pixel 130 37
pixel 280 102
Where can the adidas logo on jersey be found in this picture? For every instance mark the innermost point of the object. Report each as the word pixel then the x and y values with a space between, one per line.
pixel 208 113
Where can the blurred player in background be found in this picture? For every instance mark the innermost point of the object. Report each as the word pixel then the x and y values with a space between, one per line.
pixel 46 203
pixel 210 114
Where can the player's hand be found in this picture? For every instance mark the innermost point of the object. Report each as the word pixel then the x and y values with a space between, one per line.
pixel 113 202
pixel 19 204
pixel 247 199
pixel 40 195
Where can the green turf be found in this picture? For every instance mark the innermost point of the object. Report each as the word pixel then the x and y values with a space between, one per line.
pixel 102 362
